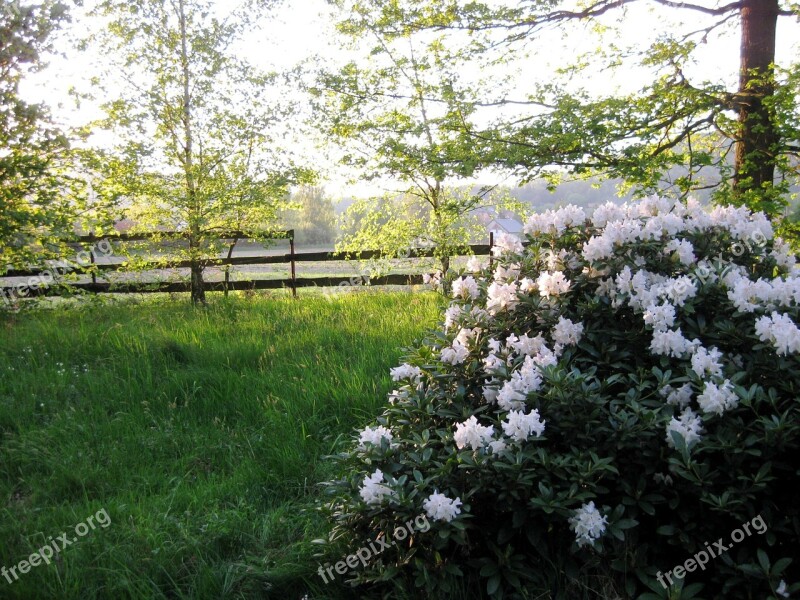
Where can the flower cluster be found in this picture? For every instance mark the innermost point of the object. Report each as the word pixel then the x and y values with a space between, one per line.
pixel 649 306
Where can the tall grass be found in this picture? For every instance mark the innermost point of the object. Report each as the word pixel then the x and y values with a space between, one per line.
pixel 201 432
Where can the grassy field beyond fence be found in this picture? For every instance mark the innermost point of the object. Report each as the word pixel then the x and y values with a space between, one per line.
pixel 200 432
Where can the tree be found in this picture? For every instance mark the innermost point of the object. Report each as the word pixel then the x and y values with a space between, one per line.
pixel 196 147
pixel 34 211
pixel 397 116
pixel 314 219
pixel 639 136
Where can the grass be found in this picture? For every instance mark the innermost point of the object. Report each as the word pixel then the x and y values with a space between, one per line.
pixel 199 432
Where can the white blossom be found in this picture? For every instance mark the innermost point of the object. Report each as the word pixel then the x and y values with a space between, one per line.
pixel 780 331
pixel 552 284
pixel 680 397
pixel 455 354
pixel 717 399
pixel 706 362
pixel 567 333
pixel 588 524
pixel 473 434
pixel 441 508
pixel 502 296
pixel 525 345
pixel 689 426
pixel 373 491
pixel 466 288
pixel 519 426
pixel 660 316
pixel 406 372
pixel 374 436
pixel 671 343
pixel 506 243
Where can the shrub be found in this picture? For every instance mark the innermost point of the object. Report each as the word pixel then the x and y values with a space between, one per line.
pixel 609 401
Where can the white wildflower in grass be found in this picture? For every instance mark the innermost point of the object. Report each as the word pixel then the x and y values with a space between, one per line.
pixel 660 316
pixel 552 284
pixel 588 524
pixel 466 288
pixel 567 333
pixel 671 343
pixel 451 315
pixel 474 264
pixel 502 296
pixel 473 434
pixel 441 508
pixel 374 436
pixel 680 397
pixel 455 354
pixel 706 362
pixel 406 372
pixel 525 345
pixel 717 398
pixel 506 243
pixel 689 426
pixel 682 249
pixel 373 491
pixel 519 426
pixel 780 331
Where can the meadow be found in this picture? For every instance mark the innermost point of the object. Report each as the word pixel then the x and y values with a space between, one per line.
pixel 200 433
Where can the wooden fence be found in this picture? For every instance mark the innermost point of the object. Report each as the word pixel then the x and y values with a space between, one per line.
pixel 292 258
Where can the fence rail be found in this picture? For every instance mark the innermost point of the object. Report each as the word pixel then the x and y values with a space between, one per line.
pixel 291 258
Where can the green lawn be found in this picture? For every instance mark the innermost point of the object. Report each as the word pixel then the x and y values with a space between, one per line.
pixel 199 432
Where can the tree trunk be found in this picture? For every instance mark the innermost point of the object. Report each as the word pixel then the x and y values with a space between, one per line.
pixel 193 205
pixel 755 149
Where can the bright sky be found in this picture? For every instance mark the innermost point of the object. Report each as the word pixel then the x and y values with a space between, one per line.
pixel 303 29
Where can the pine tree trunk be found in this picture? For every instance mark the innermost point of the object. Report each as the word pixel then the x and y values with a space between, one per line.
pixel 755 154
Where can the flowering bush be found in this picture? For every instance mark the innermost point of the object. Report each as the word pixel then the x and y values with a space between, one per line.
pixel 606 401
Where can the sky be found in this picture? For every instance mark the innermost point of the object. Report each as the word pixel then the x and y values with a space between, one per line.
pixel 303 29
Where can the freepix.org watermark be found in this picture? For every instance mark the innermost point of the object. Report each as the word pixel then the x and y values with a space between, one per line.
pixel 364 554
pixel 46 553
pixel 701 558
pixel 55 269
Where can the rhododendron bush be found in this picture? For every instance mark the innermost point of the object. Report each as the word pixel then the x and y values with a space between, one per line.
pixel 605 401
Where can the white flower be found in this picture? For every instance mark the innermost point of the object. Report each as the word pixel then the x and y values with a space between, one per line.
pixel 374 436
pixel 519 426
pixel 671 343
pixel 683 249
pixel 506 243
pixel 598 248
pixel 465 336
pixel 373 491
pixel 474 264
pixel 588 524
pixel 706 362
pixel 509 273
pixel 527 285
pixel 781 589
pixel 689 426
pixel 493 364
pixel 606 213
pixel 717 399
pixel 502 296
pixel 466 288
pixel 498 447
pixel 552 284
pixel 781 331
pixel 473 434
pixel 661 317
pixel 679 290
pixel 399 395
pixel 441 508
pixel 680 397
pixel 567 333
pixel 525 345
pixel 451 315
pixel 434 279
pixel 510 397
pixel 490 392
pixel 455 354
pixel 406 371
pixel 545 357
pixel 528 378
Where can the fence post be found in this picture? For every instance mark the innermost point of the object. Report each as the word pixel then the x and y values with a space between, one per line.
pixel 94 271
pixel 491 245
pixel 291 255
